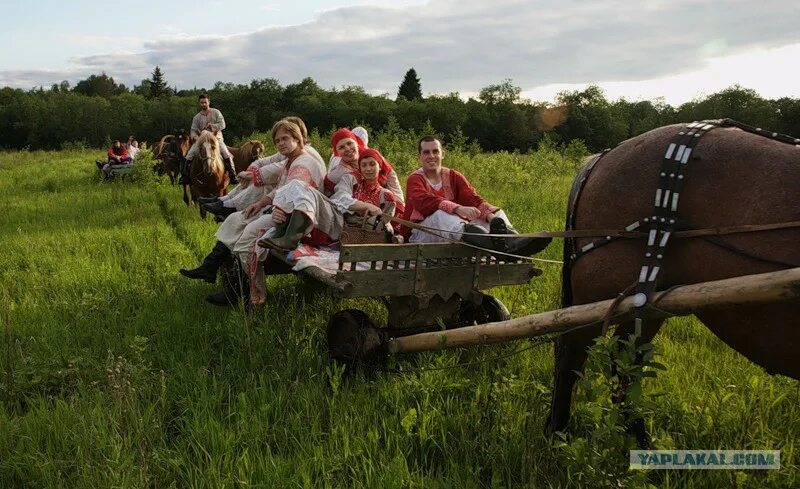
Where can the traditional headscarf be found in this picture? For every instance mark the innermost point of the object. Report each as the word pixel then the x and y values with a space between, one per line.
pixel 361 134
pixel 385 167
pixel 343 133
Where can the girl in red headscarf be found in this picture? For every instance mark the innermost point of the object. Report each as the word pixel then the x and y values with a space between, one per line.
pixel 359 193
pixel 347 146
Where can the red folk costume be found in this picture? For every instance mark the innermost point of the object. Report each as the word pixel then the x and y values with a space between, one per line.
pixel 121 152
pixel 422 199
pixel 335 174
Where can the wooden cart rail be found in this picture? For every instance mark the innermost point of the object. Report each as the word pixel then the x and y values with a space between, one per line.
pixel 420 270
pixel 430 269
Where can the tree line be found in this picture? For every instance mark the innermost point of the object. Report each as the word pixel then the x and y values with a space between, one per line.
pixel 97 110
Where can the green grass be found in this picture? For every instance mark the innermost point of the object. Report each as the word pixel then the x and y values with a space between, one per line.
pixel 115 373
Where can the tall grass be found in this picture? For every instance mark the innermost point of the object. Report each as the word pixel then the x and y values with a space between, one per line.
pixel 115 373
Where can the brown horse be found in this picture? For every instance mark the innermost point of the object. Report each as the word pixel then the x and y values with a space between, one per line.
pixel 733 177
pixel 246 154
pixel 171 151
pixel 159 149
pixel 207 173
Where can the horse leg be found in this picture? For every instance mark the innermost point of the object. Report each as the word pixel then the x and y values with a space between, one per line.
pixel 649 330
pixel 185 194
pixel 570 357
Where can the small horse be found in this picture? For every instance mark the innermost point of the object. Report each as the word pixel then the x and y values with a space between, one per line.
pixel 732 177
pixel 159 150
pixel 246 154
pixel 176 152
pixel 207 173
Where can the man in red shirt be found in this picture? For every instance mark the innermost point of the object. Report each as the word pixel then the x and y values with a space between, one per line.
pixel 441 198
pixel 117 155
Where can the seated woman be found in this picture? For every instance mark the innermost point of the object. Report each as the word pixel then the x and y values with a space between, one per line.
pixel 258 180
pixel 355 194
pixel 237 235
pixel 442 199
pixel 345 145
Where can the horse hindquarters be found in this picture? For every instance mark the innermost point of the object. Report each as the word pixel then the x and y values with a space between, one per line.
pixel 760 333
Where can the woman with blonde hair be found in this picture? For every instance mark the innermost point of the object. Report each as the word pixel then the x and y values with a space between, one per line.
pixel 258 180
pixel 237 235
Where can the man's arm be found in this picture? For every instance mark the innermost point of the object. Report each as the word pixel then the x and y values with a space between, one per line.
pixel 196 129
pixel 467 196
pixel 217 121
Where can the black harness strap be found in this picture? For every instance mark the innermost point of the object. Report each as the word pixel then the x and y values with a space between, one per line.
pixel 665 212
pixel 757 130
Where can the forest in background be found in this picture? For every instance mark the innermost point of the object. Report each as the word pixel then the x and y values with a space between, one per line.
pixel 97 110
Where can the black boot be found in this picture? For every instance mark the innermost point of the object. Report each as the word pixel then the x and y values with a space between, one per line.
pixel 218 208
pixel 207 200
pixel 517 246
pixel 475 239
pixel 185 167
pixel 235 286
pixel 295 230
pixel 207 271
pixel 527 246
pixel 231 169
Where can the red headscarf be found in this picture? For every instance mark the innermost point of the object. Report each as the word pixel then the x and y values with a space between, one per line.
pixel 343 133
pixel 385 167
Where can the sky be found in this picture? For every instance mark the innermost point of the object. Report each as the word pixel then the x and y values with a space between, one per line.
pixel 675 50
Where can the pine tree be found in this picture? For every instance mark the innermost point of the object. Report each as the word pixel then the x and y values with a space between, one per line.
pixel 410 89
pixel 158 86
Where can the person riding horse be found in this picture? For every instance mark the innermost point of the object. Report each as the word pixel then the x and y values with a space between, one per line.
pixel 208 119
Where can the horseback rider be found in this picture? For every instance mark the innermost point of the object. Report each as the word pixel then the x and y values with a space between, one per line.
pixel 208 119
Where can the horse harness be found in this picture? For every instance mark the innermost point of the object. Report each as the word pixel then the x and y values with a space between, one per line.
pixel 663 221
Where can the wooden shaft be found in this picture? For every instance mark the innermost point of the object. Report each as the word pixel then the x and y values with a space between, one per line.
pixel 688 299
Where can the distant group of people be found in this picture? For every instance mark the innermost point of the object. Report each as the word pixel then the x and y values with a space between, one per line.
pixel 119 154
pixel 290 197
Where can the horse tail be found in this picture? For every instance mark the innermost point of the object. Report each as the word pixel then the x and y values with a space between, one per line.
pixel 570 248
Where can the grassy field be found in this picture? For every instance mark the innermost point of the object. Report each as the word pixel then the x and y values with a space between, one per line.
pixel 114 372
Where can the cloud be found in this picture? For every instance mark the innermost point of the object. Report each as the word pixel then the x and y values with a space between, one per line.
pixel 461 45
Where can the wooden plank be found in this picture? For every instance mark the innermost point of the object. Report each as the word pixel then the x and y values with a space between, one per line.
pixel 443 281
pixel 389 252
pixel 377 283
pixel 763 288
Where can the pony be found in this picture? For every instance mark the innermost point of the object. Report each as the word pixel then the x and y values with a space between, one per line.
pixel 170 151
pixel 735 175
pixel 159 149
pixel 246 154
pixel 207 173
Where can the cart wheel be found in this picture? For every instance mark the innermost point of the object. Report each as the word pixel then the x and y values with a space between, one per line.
pixel 354 340
pixel 490 310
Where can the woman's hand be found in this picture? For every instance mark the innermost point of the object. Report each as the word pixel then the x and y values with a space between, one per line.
pixel 372 210
pixel 254 208
pixel 245 178
pixel 278 216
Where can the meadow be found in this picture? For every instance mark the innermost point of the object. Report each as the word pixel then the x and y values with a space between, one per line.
pixel 114 372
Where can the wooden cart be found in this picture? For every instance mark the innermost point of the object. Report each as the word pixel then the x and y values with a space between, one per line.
pixel 423 287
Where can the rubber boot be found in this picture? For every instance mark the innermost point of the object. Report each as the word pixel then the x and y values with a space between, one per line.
pixel 235 286
pixel 517 246
pixel 231 169
pixel 527 246
pixel 207 200
pixel 479 241
pixel 296 228
pixel 218 208
pixel 207 271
